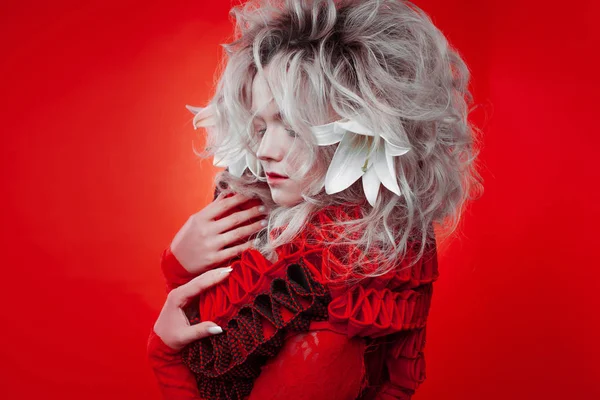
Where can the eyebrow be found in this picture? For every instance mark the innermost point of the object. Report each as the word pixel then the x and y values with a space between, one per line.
pixel 276 116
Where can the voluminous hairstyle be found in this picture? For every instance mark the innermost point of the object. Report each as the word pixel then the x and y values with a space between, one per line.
pixel 383 60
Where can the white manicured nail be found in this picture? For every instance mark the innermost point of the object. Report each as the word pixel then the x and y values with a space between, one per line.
pixel 262 209
pixel 226 271
pixel 263 222
pixel 214 330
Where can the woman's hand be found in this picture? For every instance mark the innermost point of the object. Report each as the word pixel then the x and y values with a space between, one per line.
pixel 173 326
pixel 204 238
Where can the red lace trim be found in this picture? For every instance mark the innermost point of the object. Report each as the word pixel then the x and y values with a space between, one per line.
pixel 227 364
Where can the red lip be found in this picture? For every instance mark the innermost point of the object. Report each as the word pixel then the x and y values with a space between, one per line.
pixel 275 176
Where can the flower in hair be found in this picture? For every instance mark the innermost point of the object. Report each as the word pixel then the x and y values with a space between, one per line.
pixel 356 157
pixel 236 157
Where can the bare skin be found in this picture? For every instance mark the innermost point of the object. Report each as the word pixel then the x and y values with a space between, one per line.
pixel 173 326
pixel 202 241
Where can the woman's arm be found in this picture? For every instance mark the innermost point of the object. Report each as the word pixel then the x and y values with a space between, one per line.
pixel 173 331
pixel 392 310
pixel 405 363
pixel 173 272
pixel 175 380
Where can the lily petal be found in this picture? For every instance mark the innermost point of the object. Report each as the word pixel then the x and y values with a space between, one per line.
pixel 327 134
pixel 385 170
pixel 237 168
pixel 346 166
pixel 253 164
pixel 204 116
pixel 194 109
pixel 371 185
pixel 354 126
pixel 227 156
pixel 394 149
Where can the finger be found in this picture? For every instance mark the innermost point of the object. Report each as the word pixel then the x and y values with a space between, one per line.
pixel 222 205
pixel 220 196
pixel 232 236
pixel 210 206
pixel 231 252
pixel 200 331
pixel 237 218
pixel 182 294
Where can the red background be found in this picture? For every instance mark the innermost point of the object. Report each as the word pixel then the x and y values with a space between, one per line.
pixel 99 174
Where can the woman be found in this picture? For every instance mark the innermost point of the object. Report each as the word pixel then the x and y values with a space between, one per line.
pixel 317 283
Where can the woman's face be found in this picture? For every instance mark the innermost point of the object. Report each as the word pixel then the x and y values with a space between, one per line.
pixel 276 139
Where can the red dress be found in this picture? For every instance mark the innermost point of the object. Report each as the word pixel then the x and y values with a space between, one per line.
pixel 294 329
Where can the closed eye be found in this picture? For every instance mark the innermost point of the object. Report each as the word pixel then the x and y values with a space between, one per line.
pixel 291 132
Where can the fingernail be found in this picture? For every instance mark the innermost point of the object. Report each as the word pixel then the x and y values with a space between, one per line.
pixel 225 271
pixel 262 209
pixel 214 330
pixel 263 222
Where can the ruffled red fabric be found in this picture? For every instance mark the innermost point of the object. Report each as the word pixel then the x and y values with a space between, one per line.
pixel 252 272
pixel 399 300
pixel 226 365
pixel 393 307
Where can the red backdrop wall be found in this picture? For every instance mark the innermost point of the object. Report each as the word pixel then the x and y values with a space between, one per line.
pixel 98 175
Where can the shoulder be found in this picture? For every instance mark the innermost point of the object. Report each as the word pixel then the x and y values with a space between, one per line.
pixel 386 304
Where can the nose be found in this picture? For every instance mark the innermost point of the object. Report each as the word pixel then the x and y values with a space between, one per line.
pixel 271 147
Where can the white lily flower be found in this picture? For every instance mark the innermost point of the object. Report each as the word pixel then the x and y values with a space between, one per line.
pixel 236 157
pixel 356 157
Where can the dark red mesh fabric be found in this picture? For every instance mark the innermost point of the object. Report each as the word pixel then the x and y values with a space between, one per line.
pixel 388 313
pixel 226 365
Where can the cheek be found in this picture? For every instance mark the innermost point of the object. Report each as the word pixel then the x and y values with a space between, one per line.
pixel 299 155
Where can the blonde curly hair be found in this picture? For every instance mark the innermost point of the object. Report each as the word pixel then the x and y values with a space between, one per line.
pixel 381 59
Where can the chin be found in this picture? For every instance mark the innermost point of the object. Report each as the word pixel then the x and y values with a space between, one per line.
pixel 285 200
